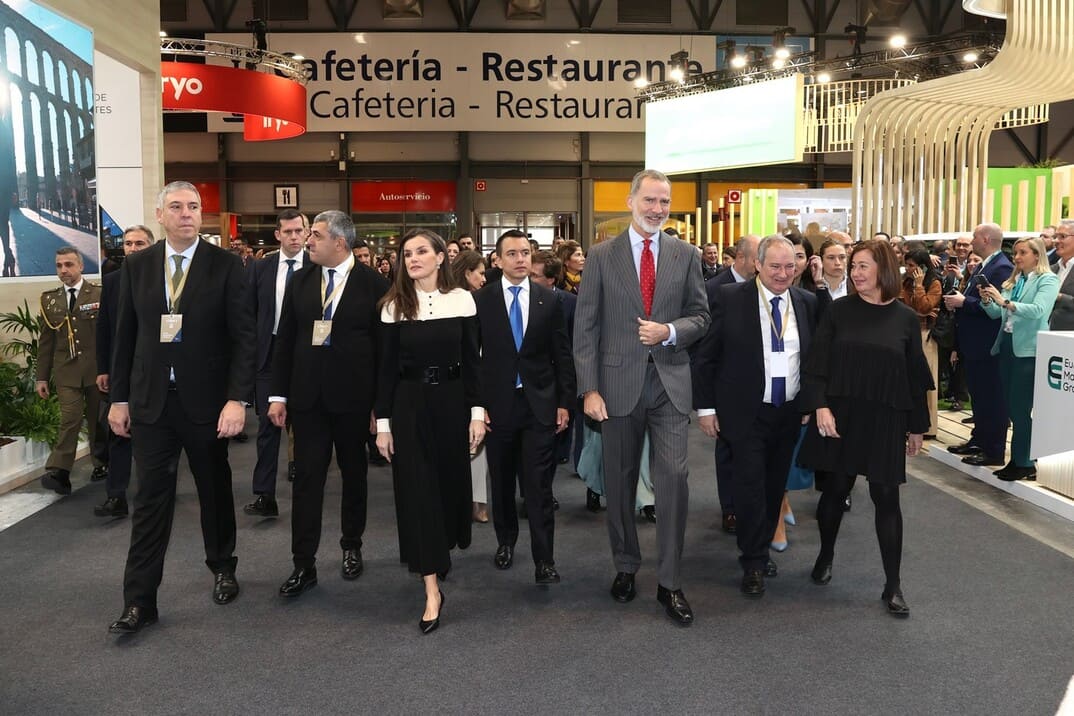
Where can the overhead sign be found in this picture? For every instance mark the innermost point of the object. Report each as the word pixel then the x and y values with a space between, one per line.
pixel 502 82
pixel 274 107
pixel 398 197
pixel 770 131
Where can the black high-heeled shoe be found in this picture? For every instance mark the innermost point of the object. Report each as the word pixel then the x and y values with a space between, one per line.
pixel 895 603
pixel 427 627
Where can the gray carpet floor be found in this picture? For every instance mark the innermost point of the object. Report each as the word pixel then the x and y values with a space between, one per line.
pixel 991 631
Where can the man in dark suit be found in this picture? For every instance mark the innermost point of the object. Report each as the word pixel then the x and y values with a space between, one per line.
pixel 641 306
pixel 976 334
pixel 135 239
pixel 711 266
pixel 180 375
pixel 527 385
pixel 743 269
pixel 545 271
pixel 323 378
pixel 746 379
pixel 271 276
pixel 1062 318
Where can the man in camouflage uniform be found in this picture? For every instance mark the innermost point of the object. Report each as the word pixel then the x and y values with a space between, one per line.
pixel 67 353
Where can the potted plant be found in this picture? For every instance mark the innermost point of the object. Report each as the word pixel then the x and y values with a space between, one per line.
pixel 22 413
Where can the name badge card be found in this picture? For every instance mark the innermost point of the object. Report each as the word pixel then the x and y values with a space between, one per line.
pixel 171 328
pixel 781 367
pixel 321 331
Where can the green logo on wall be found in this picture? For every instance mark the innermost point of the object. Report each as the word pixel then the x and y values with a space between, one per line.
pixel 1055 372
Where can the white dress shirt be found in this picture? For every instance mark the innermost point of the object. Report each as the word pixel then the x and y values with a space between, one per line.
pixel 1064 269
pixel 169 265
pixel 637 245
pixel 339 283
pixel 523 301
pixel 281 284
pixel 837 291
pixel 78 289
pixel 792 344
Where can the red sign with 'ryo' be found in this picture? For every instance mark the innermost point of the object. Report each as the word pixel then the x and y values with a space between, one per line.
pixel 434 197
pixel 274 107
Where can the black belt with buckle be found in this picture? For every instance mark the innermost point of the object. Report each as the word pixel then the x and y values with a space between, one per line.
pixel 432 374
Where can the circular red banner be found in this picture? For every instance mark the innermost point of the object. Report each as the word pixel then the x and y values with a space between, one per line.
pixel 273 107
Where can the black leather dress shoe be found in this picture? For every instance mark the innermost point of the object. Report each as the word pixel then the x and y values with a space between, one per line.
pixel 964 449
pixel 847 503
pixel 1012 473
pixel 352 564
pixel 291 471
pixel 263 506
pixel 546 573
pixel 967 421
pixel 225 587
pixel 555 503
pixel 649 513
pixel 623 587
pixel 675 605
pixel 133 619
pixel 982 460
pixel 59 481
pixel 770 569
pixel 99 473
pixel 505 556
pixel 112 507
pixel 753 583
pixel 729 523
pixel 592 501
pixel 301 579
pixel 822 572
pixel 895 603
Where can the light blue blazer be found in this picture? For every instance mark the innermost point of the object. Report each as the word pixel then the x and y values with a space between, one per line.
pixel 1031 312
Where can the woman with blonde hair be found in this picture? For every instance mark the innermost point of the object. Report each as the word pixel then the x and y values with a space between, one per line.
pixel 1024 305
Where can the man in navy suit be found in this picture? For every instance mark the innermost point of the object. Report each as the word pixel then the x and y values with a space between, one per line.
pixel 976 335
pixel 528 385
pixel 271 275
pixel 323 378
pixel 545 271
pixel 743 269
pixel 135 239
pixel 746 379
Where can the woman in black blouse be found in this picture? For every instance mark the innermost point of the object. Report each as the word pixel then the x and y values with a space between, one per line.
pixel 866 377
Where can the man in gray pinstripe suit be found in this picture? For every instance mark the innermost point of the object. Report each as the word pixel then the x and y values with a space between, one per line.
pixel 640 306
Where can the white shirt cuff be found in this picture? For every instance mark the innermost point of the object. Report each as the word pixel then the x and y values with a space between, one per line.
pixel 477 413
pixel 704 412
pixel 384 425
pixel 671 339
pixel 277 399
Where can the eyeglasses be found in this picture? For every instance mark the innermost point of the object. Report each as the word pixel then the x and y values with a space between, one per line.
pixel 1058 235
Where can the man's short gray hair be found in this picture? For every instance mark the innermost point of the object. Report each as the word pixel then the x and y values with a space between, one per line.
pixel 770 241
pixel 175 186
pixel 144 229
pixel 635 184
pixel 339 225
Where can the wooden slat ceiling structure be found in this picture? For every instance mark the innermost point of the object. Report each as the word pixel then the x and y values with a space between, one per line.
pixel 921 152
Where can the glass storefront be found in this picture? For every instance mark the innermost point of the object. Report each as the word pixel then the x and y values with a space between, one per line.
pixel 541 226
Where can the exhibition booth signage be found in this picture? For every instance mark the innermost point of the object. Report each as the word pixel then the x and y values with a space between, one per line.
pixel 494 82
pixel 273 107
pixel 403 197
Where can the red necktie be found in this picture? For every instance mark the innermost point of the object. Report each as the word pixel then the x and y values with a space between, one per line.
pixel 648 277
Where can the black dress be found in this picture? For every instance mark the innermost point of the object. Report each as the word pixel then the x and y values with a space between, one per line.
pixel 430 425
pixel 866 365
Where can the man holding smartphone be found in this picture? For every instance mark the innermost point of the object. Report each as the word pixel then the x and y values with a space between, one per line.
pixel 976 333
